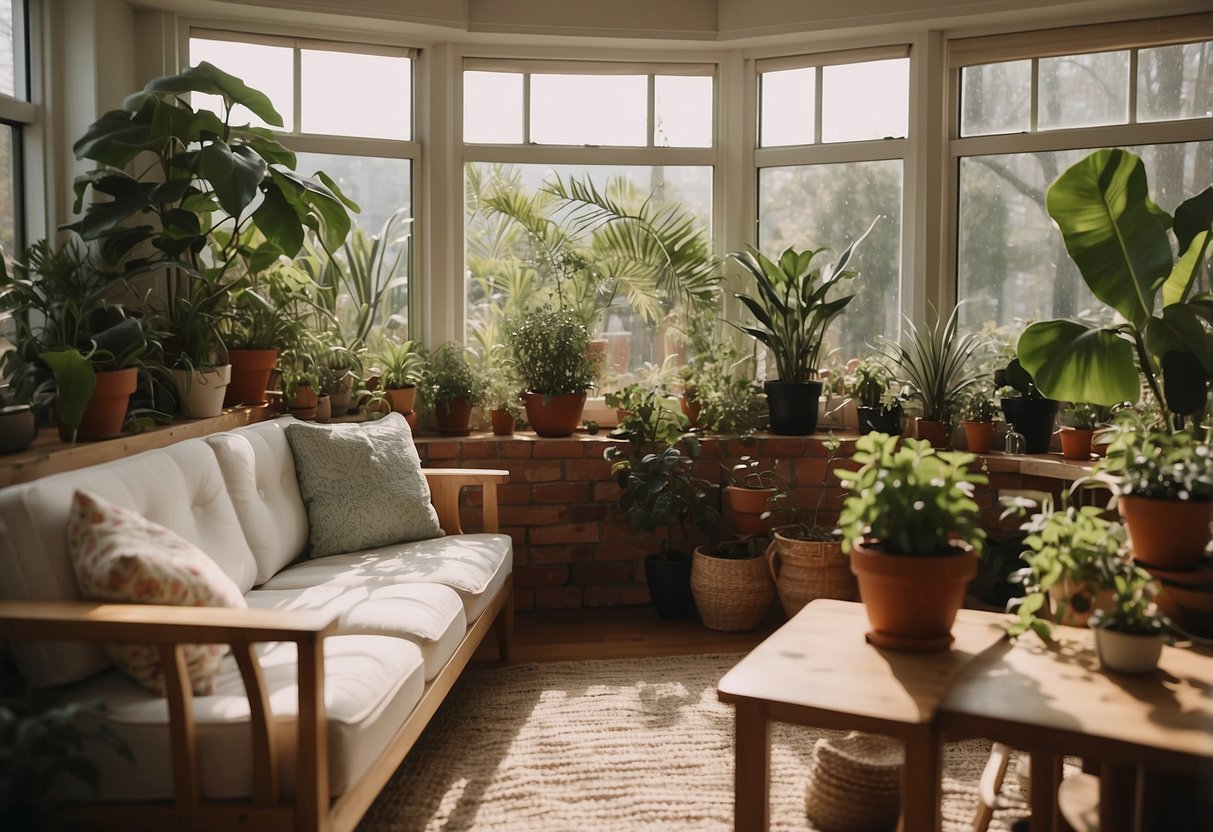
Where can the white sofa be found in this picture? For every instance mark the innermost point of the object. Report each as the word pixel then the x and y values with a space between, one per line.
pixel 335 668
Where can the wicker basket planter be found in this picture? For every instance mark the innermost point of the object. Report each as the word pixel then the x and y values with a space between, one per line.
pixel 731 594
pixel 854 784
pixel 805 570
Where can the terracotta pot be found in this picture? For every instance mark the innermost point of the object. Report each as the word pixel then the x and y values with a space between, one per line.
pixel 1076 443
pixel 303 403
pixel 402 399
pixel 1127 652
pixel 250 376
pixel 911 600
pixel 18 428
pixel 324 408
pixel 342 396
pixel 106 410
pixel 1170 534
pixel 503 422
pixel 411 418
pixel 691 409
pixel 749 504
pixel 554 416
pixel 731 594
pixel 454 417
pixel 805 570
pixel 200 391
pixel 979 436
pixel 937 433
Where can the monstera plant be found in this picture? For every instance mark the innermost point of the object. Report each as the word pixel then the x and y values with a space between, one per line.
pixel 1119 240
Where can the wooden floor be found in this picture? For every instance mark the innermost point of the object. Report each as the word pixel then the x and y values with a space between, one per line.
pixel 618 633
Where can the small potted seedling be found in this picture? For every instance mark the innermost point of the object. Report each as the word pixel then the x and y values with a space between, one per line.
pixel 979 423
pixel 749 490
pixel 1129 635
pixel 1077 428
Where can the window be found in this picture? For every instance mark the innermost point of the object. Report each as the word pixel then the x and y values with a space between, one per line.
pixel 15 112
pixel 347 110
pixel 636 137
pixel 1024 120
pixel 832 140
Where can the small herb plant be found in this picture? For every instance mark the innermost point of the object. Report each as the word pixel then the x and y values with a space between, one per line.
pixel 1071 547
pixel 502 386
pixel 650 414
pixel 981 408
pixel 399 364
pixel 910 499
pixel 1133 610
pixel 869 384
pixel 551 352
pixel 1161 466
pixel 748 472
pixel 449 375
pixel 1080 416
pixel 784 504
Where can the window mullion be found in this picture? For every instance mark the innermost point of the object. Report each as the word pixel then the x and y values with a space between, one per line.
pixel 817 108
pixel 1132 97
pixel 1034 96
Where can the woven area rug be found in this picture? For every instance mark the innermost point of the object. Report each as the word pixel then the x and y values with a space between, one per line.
pixel 637 744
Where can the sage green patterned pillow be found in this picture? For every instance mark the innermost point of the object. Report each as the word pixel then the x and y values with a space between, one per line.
pixel 362 485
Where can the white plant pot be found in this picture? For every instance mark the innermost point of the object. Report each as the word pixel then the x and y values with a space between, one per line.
pixel 200 391
pixel 1127 652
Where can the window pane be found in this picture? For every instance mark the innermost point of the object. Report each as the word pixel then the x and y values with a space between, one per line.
pixel 8 191
pixel 996 98
pixel 10 25
pixel 1013 264
pixel 507 274
pixel 683 111
pixel 1083 90
pixel 268 69
pixel 830 205
pixel 492 107
pixel 590 109
pixel 1170 85
pixel 865 101
pixel 788 107
pixel 346 94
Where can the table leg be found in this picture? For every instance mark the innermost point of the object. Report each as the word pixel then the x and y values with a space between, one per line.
pixel 752 781
pixel 1045 774
pixel 920 790
pixel 1118 792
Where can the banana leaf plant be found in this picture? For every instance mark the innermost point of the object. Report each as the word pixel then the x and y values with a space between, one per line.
pixel 1119 240
pixel 792 306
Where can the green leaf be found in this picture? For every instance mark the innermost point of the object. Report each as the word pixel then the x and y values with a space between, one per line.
pixel 1102 207
pixel 1073 362
pixel 234 174
pixel 1179 282
pixel 1185 383
pixel 74 384
pixel 277 218
pixel 1193 216
pixel 115 139
pixel 208 78
pixel 1180 330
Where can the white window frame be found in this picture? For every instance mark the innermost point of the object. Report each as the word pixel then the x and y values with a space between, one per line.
pixel 20 112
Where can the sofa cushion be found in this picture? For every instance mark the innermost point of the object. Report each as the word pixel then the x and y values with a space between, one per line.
pixel 179 487
pixel 122 556
pixel 474 565
pixel 371 685
pixel 362 485
pixel 260 471
pixel 429 615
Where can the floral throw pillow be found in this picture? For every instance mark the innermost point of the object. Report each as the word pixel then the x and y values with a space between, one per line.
pixel 121 556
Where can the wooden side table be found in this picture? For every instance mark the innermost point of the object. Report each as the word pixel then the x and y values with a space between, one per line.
pixel 818 670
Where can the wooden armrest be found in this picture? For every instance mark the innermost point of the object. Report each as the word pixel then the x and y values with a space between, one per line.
pixel 85 621
pixel 446 484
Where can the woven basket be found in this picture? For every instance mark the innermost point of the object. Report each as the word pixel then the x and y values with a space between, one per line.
pixel 805 570
pixel 855 783
pixel 731 594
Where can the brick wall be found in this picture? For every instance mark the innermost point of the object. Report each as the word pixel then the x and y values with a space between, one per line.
pixel 572 547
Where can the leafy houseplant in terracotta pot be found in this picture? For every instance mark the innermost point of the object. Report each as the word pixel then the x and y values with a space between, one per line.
pixel 400 368
pixel 453 385
pixel 793 303
pixel 937 363
pixel 502 385
pixel 749 489
pixel 979 424
pixel 550 349
pixel 338 366
pixel 1129 635
pixel 910 524
pixel 1077 430
pixel 879 408
pixel 660 492
pixel 1165 493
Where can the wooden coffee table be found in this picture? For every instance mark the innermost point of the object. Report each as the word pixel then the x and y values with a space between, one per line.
pixel 818 670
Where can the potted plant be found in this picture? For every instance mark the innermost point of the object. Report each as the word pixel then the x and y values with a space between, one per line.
pixel 979 423
pixel 453 386
pixel 502 387
pixel 194 348
pixel 18 428
pixel 792 305
pixel 749 489
pixel 551 353
pixel 910 524
pixel 1121 242
pixel 937 364
pixel 660 492
pixel 731 585
pixel 726 398
pixel 338 366
pixel 879 408
pixel 805 558
pixel 301 380
pixel 400 368
pixel 1077 429
pixel 1028 412
pixel 1164 492
pixel 1129 634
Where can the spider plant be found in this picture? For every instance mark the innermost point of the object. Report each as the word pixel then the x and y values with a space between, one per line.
pixel 937 362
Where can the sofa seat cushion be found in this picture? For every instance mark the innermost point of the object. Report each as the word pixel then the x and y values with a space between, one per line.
pixel 429 615
pixel 474 565
pixel 371 685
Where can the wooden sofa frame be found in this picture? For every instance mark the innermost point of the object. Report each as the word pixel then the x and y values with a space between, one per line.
pixel 313 809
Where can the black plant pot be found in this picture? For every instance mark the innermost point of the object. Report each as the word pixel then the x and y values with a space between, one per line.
pixel 669 586
pixel 1034 419
pixel 880 420
pixel 793 406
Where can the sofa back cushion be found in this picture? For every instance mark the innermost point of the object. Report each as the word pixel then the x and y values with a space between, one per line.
pixel 256 462
pixel 179 487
